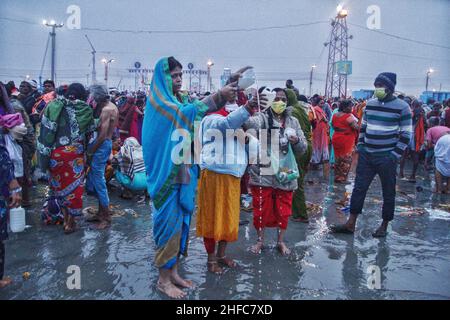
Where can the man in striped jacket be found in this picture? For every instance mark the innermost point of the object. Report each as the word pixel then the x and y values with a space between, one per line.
pixel 385 133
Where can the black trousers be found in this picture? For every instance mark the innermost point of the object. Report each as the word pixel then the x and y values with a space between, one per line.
pixel 368 167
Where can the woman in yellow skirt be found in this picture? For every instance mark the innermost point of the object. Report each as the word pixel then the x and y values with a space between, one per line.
pixel 219 188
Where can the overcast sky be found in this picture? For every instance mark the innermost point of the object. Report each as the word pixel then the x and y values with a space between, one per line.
pixel 276 54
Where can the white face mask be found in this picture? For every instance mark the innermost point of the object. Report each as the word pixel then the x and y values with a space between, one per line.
pixel 230 107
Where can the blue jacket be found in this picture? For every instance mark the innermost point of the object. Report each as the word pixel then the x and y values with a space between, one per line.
pixel 219 153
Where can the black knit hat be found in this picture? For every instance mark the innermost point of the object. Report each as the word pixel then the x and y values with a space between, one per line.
pixel 388 79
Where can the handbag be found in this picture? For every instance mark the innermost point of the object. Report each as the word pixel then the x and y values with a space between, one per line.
pixel 15 154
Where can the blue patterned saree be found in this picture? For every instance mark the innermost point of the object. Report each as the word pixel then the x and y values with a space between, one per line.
pixel 173 203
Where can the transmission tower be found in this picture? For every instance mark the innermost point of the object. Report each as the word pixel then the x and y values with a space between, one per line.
pixel 336 84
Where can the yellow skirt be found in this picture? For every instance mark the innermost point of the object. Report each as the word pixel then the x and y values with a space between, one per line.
pixel 218 206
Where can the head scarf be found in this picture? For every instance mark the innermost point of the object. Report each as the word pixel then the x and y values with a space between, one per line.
pixel 300 113
pixel 164 114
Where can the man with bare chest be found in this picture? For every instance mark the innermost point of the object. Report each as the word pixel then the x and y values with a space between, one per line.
pixel 99 151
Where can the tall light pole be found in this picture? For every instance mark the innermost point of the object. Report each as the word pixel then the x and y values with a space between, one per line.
pixel 106 62
pixel 311 78
pixel 52 24
pixel 93 52
pixel 429 71
pixel 209 64
pixel 337 52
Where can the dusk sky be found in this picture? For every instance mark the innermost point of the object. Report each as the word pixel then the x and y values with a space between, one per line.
pixel 285 50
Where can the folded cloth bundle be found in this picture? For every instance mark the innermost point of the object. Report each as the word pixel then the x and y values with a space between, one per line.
pixel 11 120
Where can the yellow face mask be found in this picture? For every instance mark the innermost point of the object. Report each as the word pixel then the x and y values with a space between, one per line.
pixel 278 107
pixel 380 93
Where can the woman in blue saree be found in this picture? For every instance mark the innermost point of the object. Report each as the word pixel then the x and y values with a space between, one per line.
pixel 171 177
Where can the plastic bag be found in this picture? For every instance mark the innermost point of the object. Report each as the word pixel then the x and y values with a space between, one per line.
pixel 286 168
pixel 15 154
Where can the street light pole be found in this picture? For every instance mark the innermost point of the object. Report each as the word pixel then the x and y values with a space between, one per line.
pixel 94 73
pixel 429 71
pixel 53 25
pixel 311 79
pixel 209 64
pixel 106 63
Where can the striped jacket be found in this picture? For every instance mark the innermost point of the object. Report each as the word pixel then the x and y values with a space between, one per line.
pixel 386 127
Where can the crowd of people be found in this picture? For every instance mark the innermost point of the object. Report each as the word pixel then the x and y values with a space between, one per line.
pixel 78 138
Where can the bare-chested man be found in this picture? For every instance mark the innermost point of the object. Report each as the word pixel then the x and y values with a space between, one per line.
pixel 99 150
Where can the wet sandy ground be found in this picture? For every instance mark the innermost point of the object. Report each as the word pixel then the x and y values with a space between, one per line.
pixel 414 259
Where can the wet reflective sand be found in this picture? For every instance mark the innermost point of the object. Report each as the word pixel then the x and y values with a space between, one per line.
pixel 414 259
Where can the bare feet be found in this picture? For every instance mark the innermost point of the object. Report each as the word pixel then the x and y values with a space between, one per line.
pixel 105 218
pixel 70 225
pixel 170 290
pixel 284 250
pixel 213 266
pixel 230 263
pixel 179 281
pixel 256 249
pixel 380 233
pixel 6 281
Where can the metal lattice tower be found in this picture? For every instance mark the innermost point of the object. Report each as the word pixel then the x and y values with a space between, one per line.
pixel 336 84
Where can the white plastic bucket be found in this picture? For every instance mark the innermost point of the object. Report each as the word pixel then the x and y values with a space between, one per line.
pixel 17 219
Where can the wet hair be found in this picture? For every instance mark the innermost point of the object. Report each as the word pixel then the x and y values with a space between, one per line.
pixel 433 122
pixel 345 104
pixel 316 99
pixel 99 92
pixel 9 88
pixel 437 105
pixel 49 81
pixel 416 103
pixel 278 90
pixel 173 63
pixel 261 89
pixel 302 98
pixel 61 90
pixel 76 91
